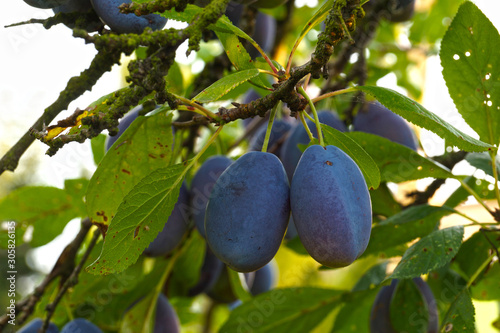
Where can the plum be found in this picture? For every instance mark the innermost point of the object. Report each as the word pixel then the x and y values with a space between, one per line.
pixel 331 206
pixel 44 4
pixel 72 6
pixel 201 187
pixel 249 195
pixel 290 152
pixel 174 230
pixel 210 272
pixel 376 119
pixel 265 278
pixel 279 130
pixel 80 325
pixel 123 125
pixel 166 319
pixel 380 318
pixel 126 23
pixel 264 29
pixel 34 325
pixel 400 10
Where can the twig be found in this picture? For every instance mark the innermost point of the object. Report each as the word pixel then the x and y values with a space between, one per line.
pixel 63 268
pixel 71 281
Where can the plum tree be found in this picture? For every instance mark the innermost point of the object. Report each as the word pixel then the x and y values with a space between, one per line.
pixel 290 152
pixel 34 326
pixel 331 206
pixel 376 119
pixel 210 272
pixel 265 278
pixel 44 4
pixel 279 130
pixel 80 325
pixel 166 319
pixel 201 187
pixel 126 23
pixel 174 230
pixel 251 192
pixel 380 317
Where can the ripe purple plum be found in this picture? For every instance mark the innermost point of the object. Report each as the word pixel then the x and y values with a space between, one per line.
pixel 166 319
pixel 248 194
pixel 290 152
pixel 37 323
pixel 331 206
pixel 80 325
pixel 376 119
pixel 45 4
pixel 174 230
pixel 126 23
pixel 210 272
pixel 201 187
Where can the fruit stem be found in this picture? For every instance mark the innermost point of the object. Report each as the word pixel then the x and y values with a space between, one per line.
pixel 269 73
pixel 303 120
pixel 493 155
pixel 264 55
pixel 308 116
pixel 475 195
pixel 197 106
pixel 333 93
pixel 270 126
pixel 315 114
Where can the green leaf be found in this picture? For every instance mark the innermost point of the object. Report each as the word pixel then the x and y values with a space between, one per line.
pixel 460 316
pixel 354 316
pixel 185 16
pixel 488 287
pixel 474 251
pixel 47 209
pixel 409 224
pixel 433 251
pixel 383 202
pixel 237 282
pixel 139 218
pixel 472 71
pixel 408 311
pixel 283 310
pixel 144 147
pixel 235 51
pixel 373 277
pixel 225 85
pixel 356 152
pixel 398 163
pixel 418 115
pixel 483 162
pixel 98 148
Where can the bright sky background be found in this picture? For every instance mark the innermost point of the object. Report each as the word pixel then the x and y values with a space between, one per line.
pixel 35 65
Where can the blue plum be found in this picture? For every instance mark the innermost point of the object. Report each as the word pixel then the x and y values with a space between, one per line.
pixel 166 319
pixel 265 278
pixel 123 125
pixel 126 23
pixel 331 206
pixel 34 325
pixel 44 4
pixel 174 230
pixel 290 152
pixel 249 194
pixel 72 6
pixel 264 29
pixel 201 187
pixel 210 272
pixel 279 130
pixel 376 119
pixel 380 317
pixel 80 325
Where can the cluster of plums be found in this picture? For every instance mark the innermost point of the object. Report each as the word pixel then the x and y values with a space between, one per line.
pixel 108 12
pixel 380 316
pixel 74 326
